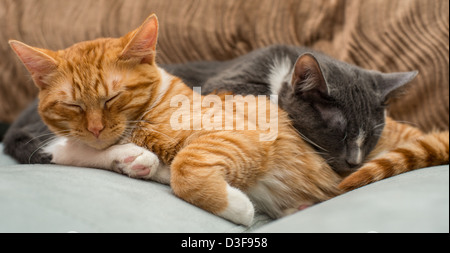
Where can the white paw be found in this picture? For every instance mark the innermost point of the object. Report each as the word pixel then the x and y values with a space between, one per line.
pixel 134 161
pixel 240 209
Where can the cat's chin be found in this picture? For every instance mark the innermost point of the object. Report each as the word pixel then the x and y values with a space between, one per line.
pixel 344 170
pixel 101 144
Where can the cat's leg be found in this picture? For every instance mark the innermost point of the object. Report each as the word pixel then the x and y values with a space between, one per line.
pixel 198 177
pixel 138 162
pixel 128 159
pixel 25 145
pixel 429 150
pixel 132 160
pixel 388 157
pixel 394 134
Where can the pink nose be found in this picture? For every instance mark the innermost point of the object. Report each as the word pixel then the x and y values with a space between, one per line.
pixel 96 130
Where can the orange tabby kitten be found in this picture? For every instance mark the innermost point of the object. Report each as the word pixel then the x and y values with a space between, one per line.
pixel 98 93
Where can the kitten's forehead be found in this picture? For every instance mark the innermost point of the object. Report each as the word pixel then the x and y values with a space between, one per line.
pixel 90 87
pixel 92 50
pixel 354 88
pixel 343 77
pixel 89 68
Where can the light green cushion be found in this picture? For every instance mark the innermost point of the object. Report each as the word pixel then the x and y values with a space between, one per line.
pixel 52 198
pixel 413 202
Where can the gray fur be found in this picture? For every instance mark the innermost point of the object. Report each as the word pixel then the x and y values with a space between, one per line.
pixel 330 121
pixel 26 136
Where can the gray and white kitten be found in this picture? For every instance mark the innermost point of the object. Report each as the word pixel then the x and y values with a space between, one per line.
pixel 337 107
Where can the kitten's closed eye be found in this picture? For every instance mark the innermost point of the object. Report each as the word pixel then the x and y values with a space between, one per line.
pixel 74 106
pixel 111 100
pixel 332 116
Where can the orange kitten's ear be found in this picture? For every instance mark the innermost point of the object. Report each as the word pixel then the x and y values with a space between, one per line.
pixel 142 45
pixel 38 63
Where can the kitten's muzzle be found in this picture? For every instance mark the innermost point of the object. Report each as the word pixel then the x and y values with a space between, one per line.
pixel 96 130
pixel 344 167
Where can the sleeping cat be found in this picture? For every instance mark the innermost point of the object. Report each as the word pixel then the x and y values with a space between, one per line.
pixel 271 70
pixel 98 95
pixel 323 116
pixel 341 116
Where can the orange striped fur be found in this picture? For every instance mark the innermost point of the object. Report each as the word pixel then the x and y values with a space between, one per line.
pixel 402 148
pixel 105 87
pixel 101 92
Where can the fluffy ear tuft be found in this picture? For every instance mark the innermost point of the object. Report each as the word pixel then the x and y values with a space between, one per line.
pixel 142 45
pixel 308 77
pixel 36 60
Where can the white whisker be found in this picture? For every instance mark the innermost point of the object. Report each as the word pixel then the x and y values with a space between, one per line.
pixel 47 134
pixel 45 143
pixel 408 123
pixel 379 125
pixel 310 141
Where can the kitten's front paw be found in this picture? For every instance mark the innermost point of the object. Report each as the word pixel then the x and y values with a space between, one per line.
pixel 135 161
pixel 364 176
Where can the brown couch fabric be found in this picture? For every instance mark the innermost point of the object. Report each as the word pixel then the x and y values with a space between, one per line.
pixel 386 35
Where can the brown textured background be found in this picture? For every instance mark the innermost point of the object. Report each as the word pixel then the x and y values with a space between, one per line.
pixel 387 35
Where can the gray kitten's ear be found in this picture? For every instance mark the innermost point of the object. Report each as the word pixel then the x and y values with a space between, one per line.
pixel 308 76
pixel 393 81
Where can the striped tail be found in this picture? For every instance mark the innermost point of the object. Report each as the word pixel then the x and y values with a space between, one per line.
pixel 426 151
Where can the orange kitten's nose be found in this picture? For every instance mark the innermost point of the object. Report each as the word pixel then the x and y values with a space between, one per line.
pixel 96 129
pixel 94 122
